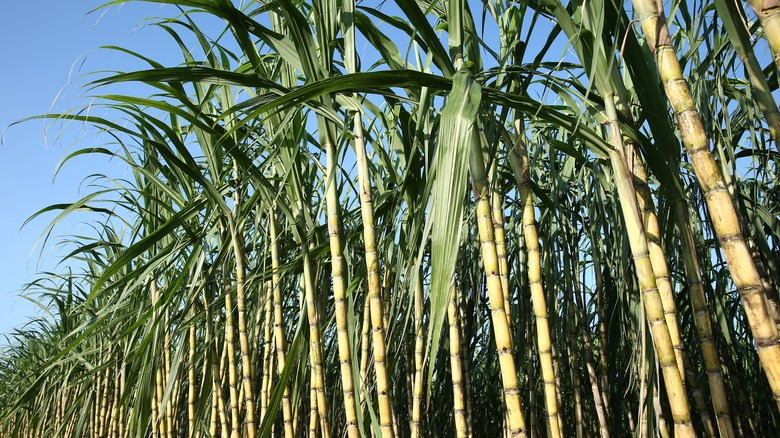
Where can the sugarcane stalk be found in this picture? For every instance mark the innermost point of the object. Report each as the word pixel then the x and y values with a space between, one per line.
pixel 701 318
pixel 229 350
pixel 651 298
pixel 518 158
pixel 247 386
pixel 722 211
pixel 279 340
pixel 419 354
pixel 458 393
pixel 191 384
pixel 265 385
pixel 372 267
pixel 315 340
pixel 514 411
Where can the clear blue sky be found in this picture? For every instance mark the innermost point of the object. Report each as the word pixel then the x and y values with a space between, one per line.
pixel 48 47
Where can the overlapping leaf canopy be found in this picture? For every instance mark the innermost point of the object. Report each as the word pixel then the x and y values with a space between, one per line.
pixel 237 135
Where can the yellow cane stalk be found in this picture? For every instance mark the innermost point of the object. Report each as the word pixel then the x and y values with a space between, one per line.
pixel 654 310
pixel 243 339
pixel 650 221
pixel 464 346
pixel 265 385
pixel 232 367
pixel 175 398
pixel 313 415
pixel 155 412
pixel 216 371
pixel 657 256
pixel 372 267
pixel 385 293
pixel 339 287
pixel 315 343
pixel 701 318
pixel 459 403
pixel 62 389
pixel 103 412
pixel 219 371
pixel 503 265
pixel 158 423
pixel 518 157
pixel 169 408
pixel 115 410
pixel 271 367
pixel 281 351
pixel 419 352
pixel 213 419
pixel 722 212
pixel 205 371
pixel 191 389
pixel 364 347
pixel 514 411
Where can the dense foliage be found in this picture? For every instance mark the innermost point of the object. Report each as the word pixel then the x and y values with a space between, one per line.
pixel 430 218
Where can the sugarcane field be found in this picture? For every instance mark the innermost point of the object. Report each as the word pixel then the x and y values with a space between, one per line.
pixel 396 218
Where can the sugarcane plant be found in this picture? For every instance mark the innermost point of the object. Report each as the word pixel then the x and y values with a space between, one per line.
pixel 418 218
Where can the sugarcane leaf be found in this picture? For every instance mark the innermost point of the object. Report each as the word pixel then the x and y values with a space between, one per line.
pixel 448 194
